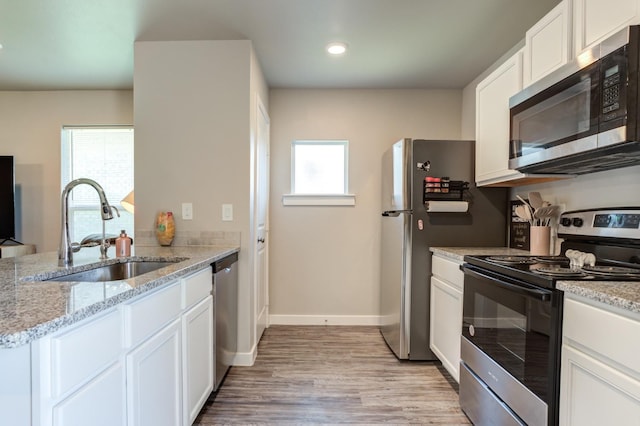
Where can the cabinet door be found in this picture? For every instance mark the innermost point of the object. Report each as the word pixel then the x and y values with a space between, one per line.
pixel 595 20
pixel 593 393
pixel 548 43
pixel 198 357
pixel 69 366
pixel 446 325
pixel 101 402
pixel 492 122
pixel 82 351
pixel 15 385
pixel 154 382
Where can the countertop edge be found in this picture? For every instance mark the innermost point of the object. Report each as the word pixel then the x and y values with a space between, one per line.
pixel 30 334
pixel 620 294
pixel 458 253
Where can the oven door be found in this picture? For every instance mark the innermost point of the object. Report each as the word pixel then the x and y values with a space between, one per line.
pixel 510 345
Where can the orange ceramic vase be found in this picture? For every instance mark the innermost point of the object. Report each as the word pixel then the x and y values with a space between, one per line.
pixel 165 228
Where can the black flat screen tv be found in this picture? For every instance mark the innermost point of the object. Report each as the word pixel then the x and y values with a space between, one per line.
pixel 7 199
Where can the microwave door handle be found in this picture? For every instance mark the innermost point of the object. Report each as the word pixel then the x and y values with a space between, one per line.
pixel 524 289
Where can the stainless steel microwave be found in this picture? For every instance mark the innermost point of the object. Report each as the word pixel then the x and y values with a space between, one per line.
pixel 583 117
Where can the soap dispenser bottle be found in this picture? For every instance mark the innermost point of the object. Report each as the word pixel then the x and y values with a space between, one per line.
pixel 123 245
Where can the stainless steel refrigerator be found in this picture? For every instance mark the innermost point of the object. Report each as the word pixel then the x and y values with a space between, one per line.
pixel 409 230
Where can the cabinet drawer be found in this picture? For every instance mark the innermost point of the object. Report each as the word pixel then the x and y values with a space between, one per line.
pixel 196 287
pixel 83 352
pixel 592 327
pixel 448 270
pixel 150 313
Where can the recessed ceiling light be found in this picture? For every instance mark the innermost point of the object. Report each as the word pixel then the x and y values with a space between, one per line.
pixel 336 48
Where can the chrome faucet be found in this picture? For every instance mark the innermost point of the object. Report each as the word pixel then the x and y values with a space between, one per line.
pixel 66 248
pixel 104 243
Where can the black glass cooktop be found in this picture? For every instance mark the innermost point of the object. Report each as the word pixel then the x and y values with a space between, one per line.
pixel 545 271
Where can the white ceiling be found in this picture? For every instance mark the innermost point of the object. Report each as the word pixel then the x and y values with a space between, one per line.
pixel 88 44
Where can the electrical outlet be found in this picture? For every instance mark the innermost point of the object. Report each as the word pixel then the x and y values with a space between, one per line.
pixel 187 211
pixel 227 212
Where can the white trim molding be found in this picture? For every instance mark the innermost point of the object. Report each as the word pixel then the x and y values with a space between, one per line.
pixel 246 359
pixel 324 320
pixel 319 200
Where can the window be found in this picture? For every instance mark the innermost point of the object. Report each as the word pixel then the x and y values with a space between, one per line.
pixel 319 173
pixel 104 154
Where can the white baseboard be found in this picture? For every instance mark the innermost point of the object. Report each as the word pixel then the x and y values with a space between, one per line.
pixel 246 359
pixel 324 320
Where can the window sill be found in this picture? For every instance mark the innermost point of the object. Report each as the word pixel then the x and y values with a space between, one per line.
pixel 319 200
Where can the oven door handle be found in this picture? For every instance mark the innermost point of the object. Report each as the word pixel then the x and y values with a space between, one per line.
pixel 520 288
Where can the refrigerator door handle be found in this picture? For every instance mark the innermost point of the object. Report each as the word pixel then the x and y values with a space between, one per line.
pixel 396 213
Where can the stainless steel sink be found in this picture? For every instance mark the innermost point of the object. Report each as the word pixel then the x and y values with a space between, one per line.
pixel 114 272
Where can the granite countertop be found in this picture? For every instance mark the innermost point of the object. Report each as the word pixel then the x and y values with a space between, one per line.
pixel 31 308
pixel 621 294
pixel 458 253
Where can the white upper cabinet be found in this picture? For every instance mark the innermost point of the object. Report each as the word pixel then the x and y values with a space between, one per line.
pixel 492 122
pixel 595 20
pixel 548 43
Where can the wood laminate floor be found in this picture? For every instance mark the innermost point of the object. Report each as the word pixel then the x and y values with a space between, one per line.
pixel 333 375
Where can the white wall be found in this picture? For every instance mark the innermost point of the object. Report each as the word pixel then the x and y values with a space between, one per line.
pixel 613 188
pixel 324 261
pixel 30 125
pixel 194 116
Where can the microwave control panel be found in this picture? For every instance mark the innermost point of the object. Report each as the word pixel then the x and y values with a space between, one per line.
pixel 613 73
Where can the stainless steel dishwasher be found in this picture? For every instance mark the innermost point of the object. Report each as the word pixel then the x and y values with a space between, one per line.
pixel 225 295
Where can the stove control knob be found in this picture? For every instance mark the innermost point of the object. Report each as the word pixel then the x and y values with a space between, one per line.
pixel 577 222
pixel 565 221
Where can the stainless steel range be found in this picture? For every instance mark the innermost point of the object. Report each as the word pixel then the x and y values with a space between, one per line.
pixel 512 315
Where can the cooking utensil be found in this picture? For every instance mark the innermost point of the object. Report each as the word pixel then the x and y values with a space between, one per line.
pixel 527 207
pixel 526 203
pixel 535 199
pixel 523 213
pixel 544 214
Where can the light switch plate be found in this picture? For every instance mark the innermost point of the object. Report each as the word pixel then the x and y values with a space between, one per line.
pixel 227 212
pixel 187 211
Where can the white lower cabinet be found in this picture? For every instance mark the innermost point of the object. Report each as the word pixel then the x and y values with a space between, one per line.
pixel 447 284
pixel 600 372
pixel 100 402
pixel 198 358
pixel 78 373
pixel 147 362
pixel 154 380
pixel 596 394
pixel 15 385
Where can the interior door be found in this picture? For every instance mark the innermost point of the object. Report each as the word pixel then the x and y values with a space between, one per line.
pixel 261 222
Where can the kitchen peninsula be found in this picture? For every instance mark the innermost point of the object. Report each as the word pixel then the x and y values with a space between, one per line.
pixel 104 352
